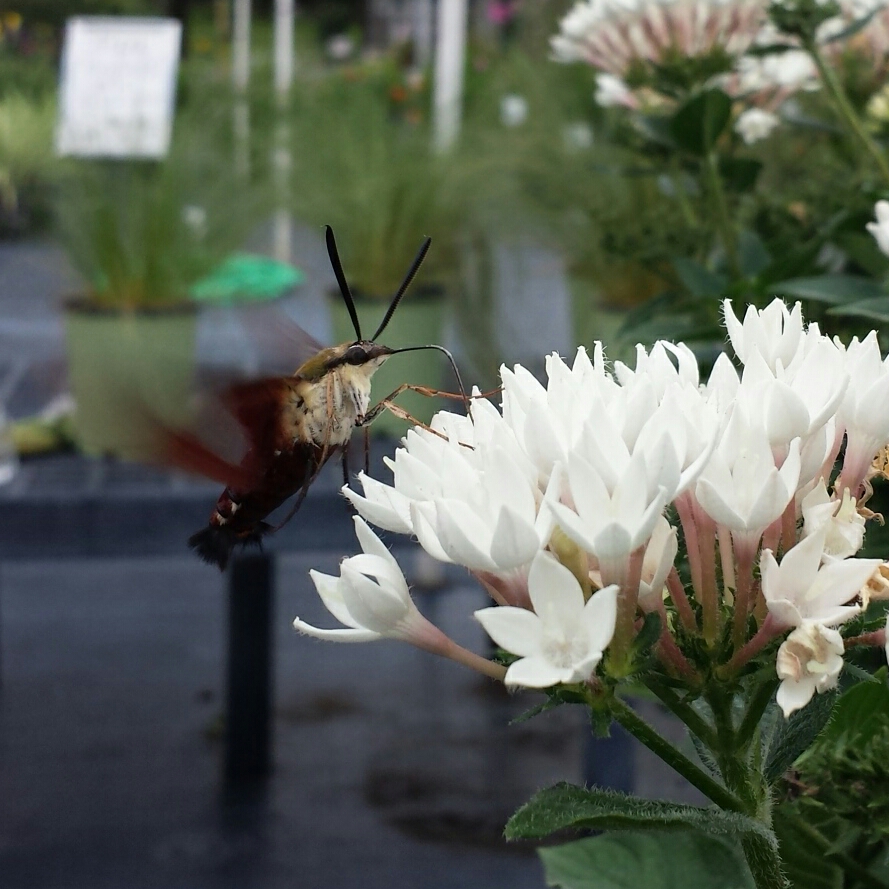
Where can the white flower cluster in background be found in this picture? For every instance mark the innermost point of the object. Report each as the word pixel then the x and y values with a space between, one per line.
pixel 574 502
pixel 613 35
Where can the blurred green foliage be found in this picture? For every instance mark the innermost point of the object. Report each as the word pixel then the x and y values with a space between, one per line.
pixel 142 232
pixel 833 819
pixel 28 166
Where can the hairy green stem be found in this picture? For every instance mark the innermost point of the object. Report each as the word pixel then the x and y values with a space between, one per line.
pixel 642 731
pixel 834 89
pixel 693 720
pixel 759 700
pixel 764 862
pixel 735 773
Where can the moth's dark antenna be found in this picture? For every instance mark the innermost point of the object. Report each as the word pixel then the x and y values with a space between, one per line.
pixel 415 266
pixel 334 255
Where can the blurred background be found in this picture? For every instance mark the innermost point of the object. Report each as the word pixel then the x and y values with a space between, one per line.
pixel 160 725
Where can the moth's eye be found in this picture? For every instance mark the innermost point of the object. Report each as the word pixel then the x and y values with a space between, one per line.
pixel 355 355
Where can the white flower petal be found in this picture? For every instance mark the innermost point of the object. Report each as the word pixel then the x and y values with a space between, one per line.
pixel 599 616
pixel 338 635
pixel 515 630
pixel 795 694
pixel 536 672
pixel 515 542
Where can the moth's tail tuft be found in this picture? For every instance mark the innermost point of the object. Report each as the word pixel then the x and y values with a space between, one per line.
pixel 215 544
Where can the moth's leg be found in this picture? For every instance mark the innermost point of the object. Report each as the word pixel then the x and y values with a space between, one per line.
pixel 398 411
pixel 366 450
pixel 386 403
pixel 345 463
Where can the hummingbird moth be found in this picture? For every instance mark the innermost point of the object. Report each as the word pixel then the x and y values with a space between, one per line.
pixel 292 425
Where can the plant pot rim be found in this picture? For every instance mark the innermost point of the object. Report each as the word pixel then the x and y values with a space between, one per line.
pixel 81 304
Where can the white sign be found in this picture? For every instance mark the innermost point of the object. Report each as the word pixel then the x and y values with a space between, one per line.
pixel 118 86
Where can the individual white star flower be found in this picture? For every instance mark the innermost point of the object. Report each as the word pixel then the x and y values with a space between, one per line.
pixel 809 660
pixel 773 332
pixel 801 589
pixel 880 228
pixel 471 498
pixel 371 598
pixel 614 511
pixel 845 525
pixel 863 413
pixel 659 369
pixel 741 487
pixel 798 402
pixel 755 124
pixel 564 638
pixel 548 420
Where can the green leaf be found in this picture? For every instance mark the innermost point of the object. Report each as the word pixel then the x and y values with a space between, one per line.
pixel 648 635
pixel 805 865
pixel 566 806
pixel 699 123
pixel 832 289
pixel 859 713
pixel 697 279
pixel 862 250
pixel 752 254
pixel 630 860
pixel 549 704
pixel 875 309
pixel 740 173
pixel 787 739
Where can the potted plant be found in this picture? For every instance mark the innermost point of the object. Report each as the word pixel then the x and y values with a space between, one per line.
pixel 369 172
pixel 141 234
pixel 27 163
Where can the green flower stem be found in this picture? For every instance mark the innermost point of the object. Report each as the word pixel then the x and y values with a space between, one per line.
pixel 624 626
pixel 642 731
pixel 695 723
pixel 830 851
pixel 764 862
pixel 735 773
pixel 759 700
pixel 681 195
pixel 723 218
pixel 834 89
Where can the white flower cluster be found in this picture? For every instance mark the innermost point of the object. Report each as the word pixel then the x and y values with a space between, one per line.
pixel 612 35
pixel 617 36
pixel 561 503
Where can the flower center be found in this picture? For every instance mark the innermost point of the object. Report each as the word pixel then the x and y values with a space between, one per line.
pixel 564 651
